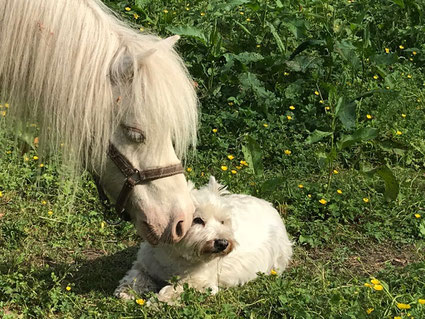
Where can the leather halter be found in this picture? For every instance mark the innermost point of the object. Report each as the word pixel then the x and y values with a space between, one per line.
pixel 133 177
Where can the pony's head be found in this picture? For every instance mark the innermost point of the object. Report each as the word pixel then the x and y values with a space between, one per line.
pixel 158 103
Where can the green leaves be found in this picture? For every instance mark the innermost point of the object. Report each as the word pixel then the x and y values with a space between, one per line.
pixel 361 135
pixel 346 112
pixel 190 32
pixel 391 183
pixel 317 136
pixel 277 38
pixel 253 155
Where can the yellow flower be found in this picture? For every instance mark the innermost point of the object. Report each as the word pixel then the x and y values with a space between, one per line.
pixel 285 73
pixel 323 201
pixel 102 225
pixel 239 167
pixel 244 163
pixel 35 157
pixel 387 50
pixel 421 301
pixel 289 117
pixel 1 194
pixel 291 107
pixel 403 115
pixel 187 8
pixel 265 125
pixel 409 76
pixel 273 272
pixel 202 14
pixel 375 77
pixel 368 285
pixel 68 288
pixel 189 169
pixel 136 16
pixel 375 281
pixel 327 108
pixel 418 215
pixel 140 301
pixel 233 171
pixel 368 116
pixel 142 29
pixel 378 287
pixel 43 202
pixel 3 113
pixel 165 11
pixel 339 191
pixel 224 167
pixel 410 59
pixel 316 92
pixel 241 13
pixel 309 195
pixel 403 306
pixel 300 186
pixel 127 9
pixel 398 133
pixel 50 213
pixel 248 20
pixel 41 165
pixel 401 47
pixel 369 311
pixel 321 102
pixel 366 200
pixel 258 46
pixel 214 130
pixel 6 105
pixel 230 157
pixel 230 103
pixel 335 171
pixel 287 152
pixel 397 317
pixel 414 53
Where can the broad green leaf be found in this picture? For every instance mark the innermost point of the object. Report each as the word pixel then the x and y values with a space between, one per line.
pixel 187 31
pixel 346 112
pixel 317 136
pixel 400 3
pixel 140 4
pixel 361 135
pixel 348 52
pixel 253 155
pixel 391 183
pixel 277 38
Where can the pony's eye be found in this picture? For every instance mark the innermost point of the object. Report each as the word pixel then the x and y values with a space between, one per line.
pixel 199 221
pixel 222 221
pixel 134 134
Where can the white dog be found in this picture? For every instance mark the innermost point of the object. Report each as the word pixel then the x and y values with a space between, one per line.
pixel 232 238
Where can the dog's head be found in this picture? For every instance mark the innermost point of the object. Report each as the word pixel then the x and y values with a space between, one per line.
pixel 211 233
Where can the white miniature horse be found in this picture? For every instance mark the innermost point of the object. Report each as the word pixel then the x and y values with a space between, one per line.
pixel 91 82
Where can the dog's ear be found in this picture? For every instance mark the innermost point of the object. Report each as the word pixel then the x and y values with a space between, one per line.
pixel 216 187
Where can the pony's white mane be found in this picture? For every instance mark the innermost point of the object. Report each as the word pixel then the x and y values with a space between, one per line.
pixel 58 60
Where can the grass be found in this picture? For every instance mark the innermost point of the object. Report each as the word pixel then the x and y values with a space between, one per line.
pixel 323 102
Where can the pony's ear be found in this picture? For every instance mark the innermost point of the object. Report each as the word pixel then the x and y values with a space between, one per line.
pixel 170 41
pixel 216 187
pixel 123 69
pixel 145 55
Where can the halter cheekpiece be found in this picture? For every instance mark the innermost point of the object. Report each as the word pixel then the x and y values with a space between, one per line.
pixel 133 177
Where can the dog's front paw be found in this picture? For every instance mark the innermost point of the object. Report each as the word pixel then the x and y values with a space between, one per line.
pixel 170 294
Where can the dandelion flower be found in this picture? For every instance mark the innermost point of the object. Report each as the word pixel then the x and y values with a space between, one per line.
pixel 224 168
pixel 102 225
pixel 285 73
pixel 421 301
pixel 409 76
pixel 202 14
pixel 368 285
pixel 241 13
pixel 387 50
pixel 366 200
pixel 335 171
pixel 403 115
pixel 189 169
pixel 322 102
pixel 41 165
pixel 339 191
pixel 50 213
pixel 230 103
pixel 233 171
pixel 127 9
pixel 140 301
pixel 300 186
pixel 273 272
pixel 35 157
pixel 258 46
pixel 375 77
pixel 6 105
pixel 265 125
pixel 1 194
pixel 289 117
pixel 418 215
pixel 244 163
pixel 368 116
pixel 414 52
pixel 327 108
pixel 230 157
pixel 378 287
pixel 238 167
pixel 323 201
pixel 375 281
pixel 403 306
pixel 287 152
pixel 397 317
pixel 317 93
pixel 3 113
pixel 309 195
pixel 401 47
pixel 214 130
pixel 369 310
pixel 43 202
pixel 68 288
pixel 248 20
pixel 136 16
pixel 398 133
pixel 291 107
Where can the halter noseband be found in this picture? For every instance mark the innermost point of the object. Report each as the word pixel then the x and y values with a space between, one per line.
pixel 133 177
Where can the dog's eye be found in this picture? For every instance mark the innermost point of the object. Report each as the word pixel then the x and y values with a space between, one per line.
pixel 222 222
pixel 199 220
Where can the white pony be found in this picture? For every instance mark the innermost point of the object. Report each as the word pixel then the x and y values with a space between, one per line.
pixel 88 81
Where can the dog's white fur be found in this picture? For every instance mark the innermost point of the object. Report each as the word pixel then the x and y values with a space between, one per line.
pixel 257 242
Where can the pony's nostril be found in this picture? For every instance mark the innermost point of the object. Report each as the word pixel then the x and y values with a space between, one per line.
pixel 179 229
pixel 220 244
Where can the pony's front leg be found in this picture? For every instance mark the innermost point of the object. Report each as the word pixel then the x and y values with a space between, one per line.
pixel 135 282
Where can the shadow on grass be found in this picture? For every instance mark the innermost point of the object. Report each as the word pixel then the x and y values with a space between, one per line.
pixel 102 274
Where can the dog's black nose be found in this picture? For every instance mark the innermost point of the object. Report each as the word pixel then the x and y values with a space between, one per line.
pixel 220 244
